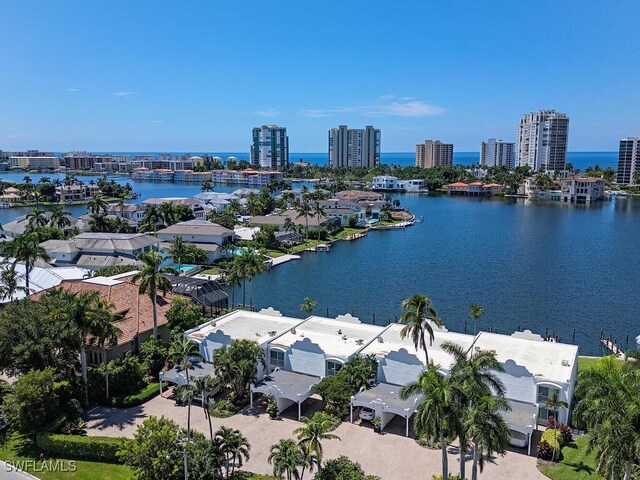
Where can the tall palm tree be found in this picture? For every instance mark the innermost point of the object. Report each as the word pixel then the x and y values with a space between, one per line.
pixel 289 225
pixel 254 265
pixel 437 416
pixel 167 214
pixel 475 312
pixel 609 406
pixel 206 186
pixel 304 210
pixel 150 219
pixel 181 353
pixel 487 430
pixel 318 212
pixel 310 437
pixel 25 248
pixel 476 374
pixel 286 456
pixel 97 205
pixel 235 448
pixel 36 218
pixel 203 385
pixel 105 331
pixel 151 280
pixel 554 403
pixel 186 393
pixel 417 315
pixel 178 252
pixel 234 207
pixel 10 282
pixel 59 217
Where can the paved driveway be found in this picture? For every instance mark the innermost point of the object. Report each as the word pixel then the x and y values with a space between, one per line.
pixel 390 456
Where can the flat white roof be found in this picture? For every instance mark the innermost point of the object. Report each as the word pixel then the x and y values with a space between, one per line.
pixel 393 342
pixel 242 324
pixel 338 337
pixel 546 360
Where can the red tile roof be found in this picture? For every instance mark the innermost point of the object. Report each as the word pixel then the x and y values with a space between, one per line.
pixel 136 308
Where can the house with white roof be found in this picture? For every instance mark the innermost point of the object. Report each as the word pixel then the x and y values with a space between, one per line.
pixel 208 236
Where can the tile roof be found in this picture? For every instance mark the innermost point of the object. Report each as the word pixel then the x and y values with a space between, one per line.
pixel 136 309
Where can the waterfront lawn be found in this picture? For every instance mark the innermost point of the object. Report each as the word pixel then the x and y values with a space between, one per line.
pixel 274 253
pixel 575 465
pixel 308 244
pixel 585 363
pixel 213 270
pixel 18 449
pixel 346 231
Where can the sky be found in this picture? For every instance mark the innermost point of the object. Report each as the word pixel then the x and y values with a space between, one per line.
pixel 160 75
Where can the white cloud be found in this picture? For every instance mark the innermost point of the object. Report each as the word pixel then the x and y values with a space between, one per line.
pixel 124 94
pixel 73 90
pixel 269 112
pixel 385 106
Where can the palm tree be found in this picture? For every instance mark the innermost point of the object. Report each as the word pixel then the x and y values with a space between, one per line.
pixel 475 374
pixel 308 305
pixel 254 266
pixel 178 251
pixel 289 225
pixel 234 207
pixel 318 212
pixel 150 219
pixel 235 448
pixel 97 205
pixel 609 406
pixel 167 214
pixel 203 385
pixel 233 277
pixel 475 312
pixel 151 280
pixel 185 394
pixel 310 437
pixel 59 217
pixel 105 332
pixel 418 314
pixel 25 248
pixel 286 456
pixel 437 417
pixel 206 186
pixel 487 430
pixel 181 353
pixel 36 218
pixel 554 403
pixel 10 282
pixel 304 210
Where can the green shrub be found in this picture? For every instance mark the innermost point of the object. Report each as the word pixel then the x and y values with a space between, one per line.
pixel 566 437
pixel 144 395
pixel 99 449
pixel 223 409
pixel 154 355
pixel 126 376
pixel 549 446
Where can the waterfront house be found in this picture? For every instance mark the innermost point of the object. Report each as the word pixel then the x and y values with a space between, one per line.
pixel 196 207
pixel 581 189
pixel 208 236
pixel 133 311
pixel 96 250
pixel 19 225
pixel 332 224
pixel 474 189
pixel 411 186
pixel 385 183
pixel 128 211
pixel 75 192
pixel 217 201
pixel 342 210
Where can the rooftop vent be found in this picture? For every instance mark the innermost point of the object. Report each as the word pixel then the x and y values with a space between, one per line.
pixel 339 331
pixel 293 330
pixel 344 337
pixel 272 333
pixel 380 339
pixel 213 324
pixel 359 342
pixel 565 363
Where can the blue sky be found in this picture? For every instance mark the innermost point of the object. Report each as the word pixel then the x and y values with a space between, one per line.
pixel 198 75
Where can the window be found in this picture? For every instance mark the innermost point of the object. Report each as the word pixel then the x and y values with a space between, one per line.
pixel 276 358
pixel 333 368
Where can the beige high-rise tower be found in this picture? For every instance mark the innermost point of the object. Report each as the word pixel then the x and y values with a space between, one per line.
pixel 433 153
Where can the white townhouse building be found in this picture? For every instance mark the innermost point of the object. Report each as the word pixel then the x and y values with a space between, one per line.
pixel 206 235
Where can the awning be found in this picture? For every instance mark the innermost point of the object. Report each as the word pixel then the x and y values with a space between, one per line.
pixel 179 377
pixel 522 418
pixel 389 396
pixel 283 384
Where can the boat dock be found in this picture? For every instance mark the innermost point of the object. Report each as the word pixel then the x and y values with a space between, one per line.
pixel 612 346
pixel 355 236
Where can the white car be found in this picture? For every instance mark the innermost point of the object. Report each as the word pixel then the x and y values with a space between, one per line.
pixel 367 413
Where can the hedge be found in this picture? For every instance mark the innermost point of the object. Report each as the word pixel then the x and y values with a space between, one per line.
pixel 147 393
pixel 78 447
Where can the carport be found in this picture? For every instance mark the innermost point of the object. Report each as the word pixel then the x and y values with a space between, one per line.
pixel 521 419
pixel 286 387
pixel 385 401
pixel 179 377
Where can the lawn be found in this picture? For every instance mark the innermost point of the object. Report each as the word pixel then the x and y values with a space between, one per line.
pixel 213 270
pixel 274 253
pixel 308 244
pixel 16 449
pixel 345 232
pixel 576 464
pixel 585 363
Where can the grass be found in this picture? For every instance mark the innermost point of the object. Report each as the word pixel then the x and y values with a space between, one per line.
pixel 212 271
pixel 575 465
pixel 18 449
pixel 274 253
pixel 346 231
pixel 585 363
pixel 308 244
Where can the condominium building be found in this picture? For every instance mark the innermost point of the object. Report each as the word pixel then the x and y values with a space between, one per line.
pixel 35 163
pixel 84 160
pixel 354 147
pixel 433 153
pixel 496 153
pixel 629 161
pixel 270 147
pixel 542 140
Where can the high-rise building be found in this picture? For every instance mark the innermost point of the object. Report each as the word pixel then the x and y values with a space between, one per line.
pixel 270 147
pixel 542 140
pixel 629 161
pixel 496 153
pixel 354 147
pixel 433 153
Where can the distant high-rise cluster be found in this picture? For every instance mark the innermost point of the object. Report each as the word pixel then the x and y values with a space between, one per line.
pixel 542 140
pixel 433 153
pixel 354 147
pixel 270 147
pixel 496 153
pixel 629 161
